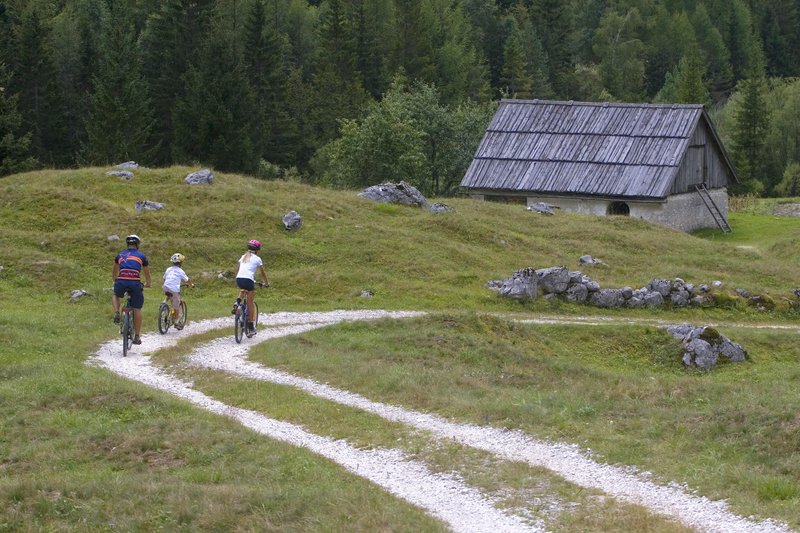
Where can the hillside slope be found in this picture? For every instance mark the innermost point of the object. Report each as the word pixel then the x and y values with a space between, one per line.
pixel 56 225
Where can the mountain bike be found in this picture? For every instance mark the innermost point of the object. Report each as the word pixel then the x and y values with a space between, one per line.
pixel 165 320
pixel 126 324
pixel 241 314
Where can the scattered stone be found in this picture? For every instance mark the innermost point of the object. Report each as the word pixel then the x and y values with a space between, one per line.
pixel 147 205
pixel 44 244
pixel 366 293
pixel 395 193
pixel 77 294
pixel 201 177
pixel 716 283
pixel 743 293
pixel 703 346
pixel 126 175
pixel 542 208
pixel 589 260
pixel 292 221
pixel 112 238
pixel 128 164
pixel 440 208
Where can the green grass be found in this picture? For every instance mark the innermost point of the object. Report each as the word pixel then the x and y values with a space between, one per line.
pixel 83 449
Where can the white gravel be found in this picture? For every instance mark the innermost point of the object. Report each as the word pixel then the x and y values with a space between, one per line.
pixel 443 496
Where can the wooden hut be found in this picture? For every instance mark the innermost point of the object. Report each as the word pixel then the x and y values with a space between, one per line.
pixel 662 163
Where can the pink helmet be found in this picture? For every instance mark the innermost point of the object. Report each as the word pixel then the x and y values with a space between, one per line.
pixel 254 245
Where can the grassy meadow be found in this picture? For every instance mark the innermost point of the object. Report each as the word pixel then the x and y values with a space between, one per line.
pixel 82 449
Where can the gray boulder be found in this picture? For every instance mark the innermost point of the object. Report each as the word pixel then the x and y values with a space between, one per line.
pixel 542 208
pixel 589 260
pixel 201 177
pixel 577 293
pixel 77 294
pixel 661 286
pixel 608 298
pixel 653 299
pixel 679 298
pixel 395 193
pixel 699 353
pixel 732 350
pixel 522 285
pixel 292 221
pixel 125 175
pixel 440 208
pixel 128 165
pixel 553 280
pixel 592 285
pixel 147 205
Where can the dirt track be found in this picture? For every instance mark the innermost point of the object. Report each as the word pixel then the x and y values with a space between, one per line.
pixel 446 497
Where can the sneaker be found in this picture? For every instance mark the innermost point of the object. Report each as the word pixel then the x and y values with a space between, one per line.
pixel 250 330
pixel 137 339
pixel 116 317
pixel 178 326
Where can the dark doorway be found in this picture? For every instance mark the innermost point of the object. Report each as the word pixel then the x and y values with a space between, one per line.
pixel 619 208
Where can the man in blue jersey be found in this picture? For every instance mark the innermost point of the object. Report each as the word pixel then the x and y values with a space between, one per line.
pixel 128 268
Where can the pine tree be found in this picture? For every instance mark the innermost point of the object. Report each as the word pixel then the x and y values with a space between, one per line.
pixel 120 124
pixel 14 155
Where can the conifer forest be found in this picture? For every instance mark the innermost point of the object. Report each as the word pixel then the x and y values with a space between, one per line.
pixel 349 93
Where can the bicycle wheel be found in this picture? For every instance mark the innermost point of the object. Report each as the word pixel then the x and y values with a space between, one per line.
pixel 181 322
pixel 239 324
pixel 127 332
pixel 163 318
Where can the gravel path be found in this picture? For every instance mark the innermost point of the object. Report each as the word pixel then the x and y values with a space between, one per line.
pixel 462 507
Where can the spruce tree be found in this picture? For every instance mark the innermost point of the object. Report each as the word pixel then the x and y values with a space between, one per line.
pixel 14 155
pixel 213 120
pixel 120 123
pixel 40 100
pixel 169 44
pixel 751 122
pixel 337 85
pixel 276 133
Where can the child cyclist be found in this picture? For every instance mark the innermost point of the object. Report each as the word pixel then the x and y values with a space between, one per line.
pixel 173 277
pixel 249 264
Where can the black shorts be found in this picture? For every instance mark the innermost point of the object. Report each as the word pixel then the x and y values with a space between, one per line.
pixel 133 286
pixel 246 284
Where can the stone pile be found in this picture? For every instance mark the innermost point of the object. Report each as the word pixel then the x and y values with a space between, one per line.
pixel 574 286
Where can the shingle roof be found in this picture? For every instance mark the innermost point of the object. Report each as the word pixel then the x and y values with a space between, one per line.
pixel 597 149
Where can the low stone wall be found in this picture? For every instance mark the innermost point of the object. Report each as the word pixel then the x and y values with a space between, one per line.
pixel 574 286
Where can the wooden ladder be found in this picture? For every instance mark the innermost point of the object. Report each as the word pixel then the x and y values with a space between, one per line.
pixel 716 214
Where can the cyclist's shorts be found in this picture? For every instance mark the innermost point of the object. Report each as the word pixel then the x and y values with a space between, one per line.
pixel 246 284
pixel 136 289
